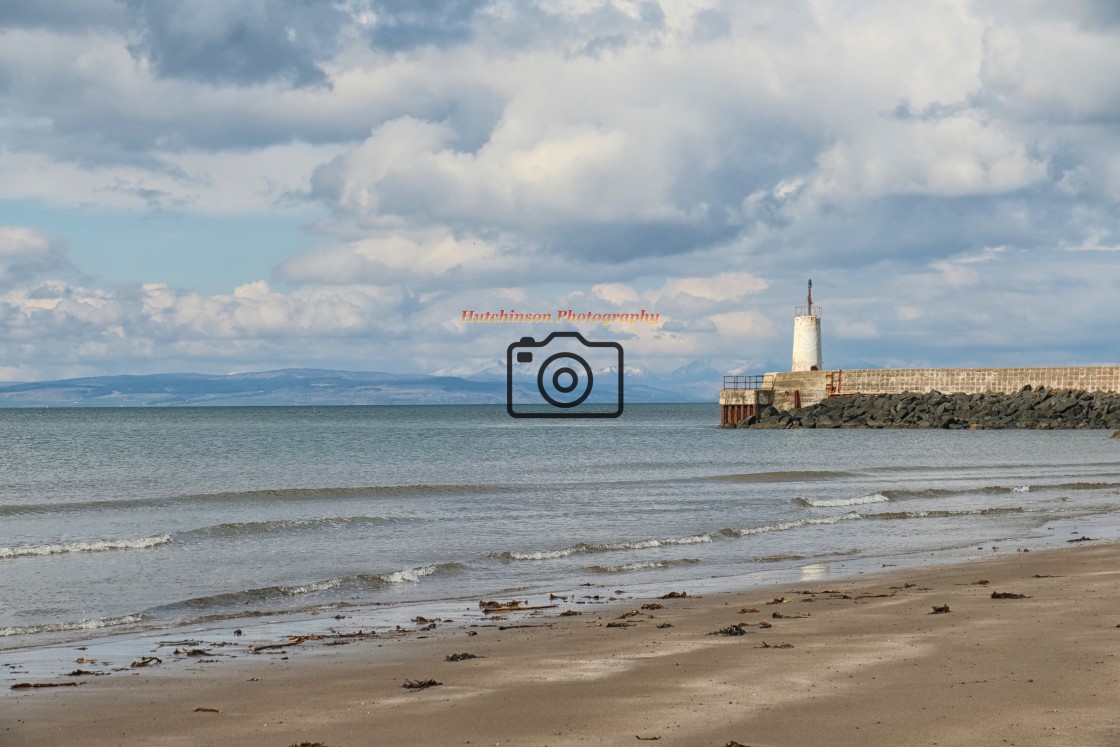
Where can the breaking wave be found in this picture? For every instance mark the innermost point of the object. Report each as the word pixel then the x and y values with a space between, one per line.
pixel 98 546
pixel 863 500
pixel 900 494
pixel 74 625
pixel 584 548
pixel 641 566
pixel 365 581
pixel 1002 489
pixel 945 514
pixel 413 575
pixel 785 525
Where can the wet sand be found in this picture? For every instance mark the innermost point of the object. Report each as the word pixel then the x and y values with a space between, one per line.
pixel 863 661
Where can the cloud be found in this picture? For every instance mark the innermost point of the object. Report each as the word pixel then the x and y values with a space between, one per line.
pixel 949 157
pixel 725 286
pixel 400 25
pixel 237 41
pixel 56 326
pixel 626 154
pixel 395 258
pixel 738 325
pixel 255 311
pixel 946 172
pixel 63 14
pixel 26 253
pixel 200 182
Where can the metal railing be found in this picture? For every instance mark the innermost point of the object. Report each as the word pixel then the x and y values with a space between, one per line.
pixel 747 381
pixel 807 311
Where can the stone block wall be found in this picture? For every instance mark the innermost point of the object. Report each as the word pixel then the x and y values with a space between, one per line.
pixel 977 380
pixel 754 397
pixel 811 387
pixel 798 388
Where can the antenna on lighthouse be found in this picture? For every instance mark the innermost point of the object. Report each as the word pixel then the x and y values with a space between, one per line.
pixel 810 296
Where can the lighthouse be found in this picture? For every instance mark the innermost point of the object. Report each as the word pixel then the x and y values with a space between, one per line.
pixel 807 336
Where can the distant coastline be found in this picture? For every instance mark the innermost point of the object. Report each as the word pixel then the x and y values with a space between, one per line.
pixel 309 387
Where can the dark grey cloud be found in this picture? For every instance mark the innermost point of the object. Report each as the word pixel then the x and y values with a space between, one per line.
pixel 243 43
pixel 403 25
pixel 909 229
pixel 90 116
pixel 65 15
pixel 105 115
pixel 576 30
pixel 1088 14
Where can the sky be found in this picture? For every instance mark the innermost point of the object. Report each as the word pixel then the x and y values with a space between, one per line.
pixel 242 185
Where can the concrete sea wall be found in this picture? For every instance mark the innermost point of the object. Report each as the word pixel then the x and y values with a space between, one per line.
pixel 803 388
pixel 1038 409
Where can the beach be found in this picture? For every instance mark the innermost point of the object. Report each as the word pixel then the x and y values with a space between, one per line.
pixel 857 661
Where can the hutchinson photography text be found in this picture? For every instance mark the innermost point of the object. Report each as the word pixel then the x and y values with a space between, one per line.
pixel 563 315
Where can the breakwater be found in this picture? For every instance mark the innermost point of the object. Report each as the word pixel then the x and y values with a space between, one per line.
pixel 801 388
pixel 743 397
pixel 1039 408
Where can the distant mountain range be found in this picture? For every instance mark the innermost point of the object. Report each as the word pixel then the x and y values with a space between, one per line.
pixel 696 382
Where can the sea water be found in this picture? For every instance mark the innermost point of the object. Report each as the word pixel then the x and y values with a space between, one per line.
pixel 127 520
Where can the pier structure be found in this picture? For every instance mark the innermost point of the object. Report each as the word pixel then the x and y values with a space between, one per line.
pixel 745 396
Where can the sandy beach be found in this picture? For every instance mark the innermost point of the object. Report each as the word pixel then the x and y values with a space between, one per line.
pixel 863 661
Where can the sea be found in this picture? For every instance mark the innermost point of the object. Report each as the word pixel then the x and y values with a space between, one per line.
pixel 150 521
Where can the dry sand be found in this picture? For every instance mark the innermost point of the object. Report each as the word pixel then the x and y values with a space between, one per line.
pixel 856 662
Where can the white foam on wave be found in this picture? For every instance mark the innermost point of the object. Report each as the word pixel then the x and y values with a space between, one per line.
pixel 1021 489
pixel 409 575
pixel 74 625
pixel 546 554
pixel 99 546
pixel 862 500
pixel 333 583
pixel 694 540
pixel 795 524
pixel 641 565
pixel 584 548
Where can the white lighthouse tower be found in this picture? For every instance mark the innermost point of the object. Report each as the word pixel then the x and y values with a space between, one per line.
pixel 807 336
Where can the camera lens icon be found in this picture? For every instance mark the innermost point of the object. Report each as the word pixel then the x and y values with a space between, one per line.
pixel 558 374
pixel 564 376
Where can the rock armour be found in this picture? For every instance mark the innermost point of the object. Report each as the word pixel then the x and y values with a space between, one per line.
pixel 1038 409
